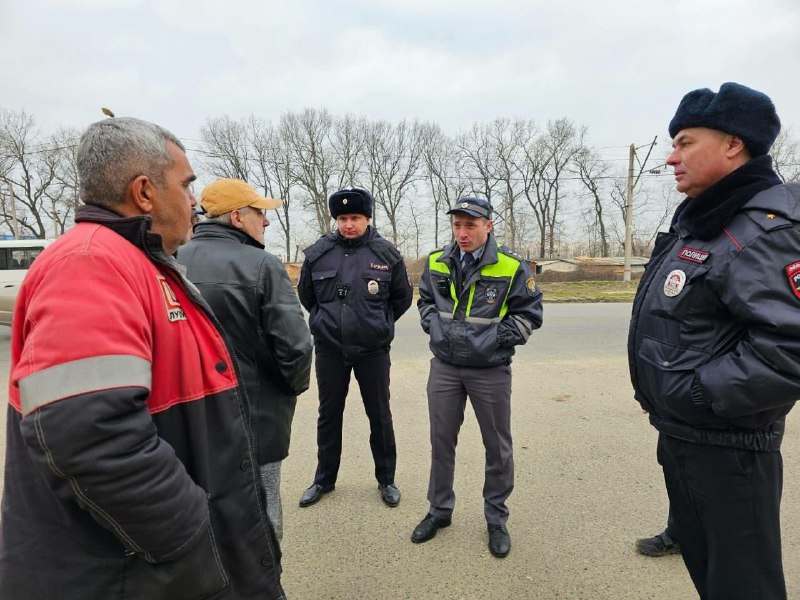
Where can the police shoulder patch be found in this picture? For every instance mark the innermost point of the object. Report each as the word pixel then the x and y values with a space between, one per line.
pixel 793 273
pixel 530 285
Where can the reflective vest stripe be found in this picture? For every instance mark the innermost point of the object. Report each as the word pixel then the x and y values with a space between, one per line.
pixel 435 265
pixel 506 266
pixel 82 377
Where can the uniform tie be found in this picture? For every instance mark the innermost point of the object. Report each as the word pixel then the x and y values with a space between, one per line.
pixel 467 264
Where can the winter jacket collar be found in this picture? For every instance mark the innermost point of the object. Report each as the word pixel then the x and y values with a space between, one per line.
pixel 452 252
pixel 134 229
pixel 355 242
pixel 704 216
pixel 210 229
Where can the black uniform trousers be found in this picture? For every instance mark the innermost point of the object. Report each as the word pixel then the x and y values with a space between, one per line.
pixel 726 507
pixel 333 381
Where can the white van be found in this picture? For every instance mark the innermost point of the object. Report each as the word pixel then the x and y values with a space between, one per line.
pixel 15 258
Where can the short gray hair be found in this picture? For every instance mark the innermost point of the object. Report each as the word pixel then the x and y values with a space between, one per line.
pixel 114 151
pixel 225 218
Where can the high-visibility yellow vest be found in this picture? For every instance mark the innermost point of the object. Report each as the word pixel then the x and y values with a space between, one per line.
pixel 506 266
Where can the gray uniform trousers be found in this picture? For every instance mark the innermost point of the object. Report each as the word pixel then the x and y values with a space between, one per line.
pixel 489 391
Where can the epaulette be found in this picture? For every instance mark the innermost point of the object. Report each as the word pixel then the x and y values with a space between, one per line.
pixel 775 208
pixel 768 220
pixel 385 250
pixel 509 252
pixel 320 247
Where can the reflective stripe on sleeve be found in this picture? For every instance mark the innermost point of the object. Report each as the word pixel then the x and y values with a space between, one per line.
pixel 523 326
pixel 82 377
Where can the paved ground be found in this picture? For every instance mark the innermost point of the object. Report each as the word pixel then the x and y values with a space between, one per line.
pixel 587 485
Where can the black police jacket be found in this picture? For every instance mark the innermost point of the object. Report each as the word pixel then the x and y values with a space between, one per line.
pixel 354 291
pixel 251 295
pixel 714 341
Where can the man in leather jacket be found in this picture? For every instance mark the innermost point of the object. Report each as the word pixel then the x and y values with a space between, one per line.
pixel 250 293
pixel 714 342
pixel 355 286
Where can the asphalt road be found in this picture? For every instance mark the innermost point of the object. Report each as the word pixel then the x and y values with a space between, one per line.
pixel 587 484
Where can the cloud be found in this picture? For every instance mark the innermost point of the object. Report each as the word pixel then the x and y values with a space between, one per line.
pixel 619 72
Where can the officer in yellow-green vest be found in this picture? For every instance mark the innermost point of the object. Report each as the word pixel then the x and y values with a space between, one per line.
pixel 477 302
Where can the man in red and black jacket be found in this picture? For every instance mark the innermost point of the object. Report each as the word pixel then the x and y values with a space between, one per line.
pixel 129 466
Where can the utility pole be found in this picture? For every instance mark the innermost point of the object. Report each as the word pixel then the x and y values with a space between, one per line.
pixel 632 181
pixel 626 273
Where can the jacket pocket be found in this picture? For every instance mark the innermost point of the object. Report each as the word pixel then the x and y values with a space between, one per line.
pixel 324 285
pixel 376 285
pixel 489 297
pixel 480 344
pixel 665 375
pixel 439 339
pixel 683 290
pixel 196 575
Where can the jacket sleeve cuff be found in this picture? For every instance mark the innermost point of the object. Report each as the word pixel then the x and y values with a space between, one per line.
pixel 502 338
pixel 698 397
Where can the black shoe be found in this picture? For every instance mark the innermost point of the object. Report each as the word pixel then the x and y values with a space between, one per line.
pixel 658 545
pixel 428 527
pixel 390 494
pixel 499 540
pixel 314 493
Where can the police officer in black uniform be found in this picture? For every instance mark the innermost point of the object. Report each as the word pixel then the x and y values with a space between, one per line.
pixel 355 286
pixel 714 342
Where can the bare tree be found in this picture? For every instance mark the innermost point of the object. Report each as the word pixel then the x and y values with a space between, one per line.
pixel 64 193
pixel 28 168
pixel 545 162
pixel 393 157
pixel 591 170
pixel 272 172
pixel 445 172
pixel 786 156
pixel 478 152
pixel 313 162
pixel 410 228
pixel 509 140
pixel 227 148
pixel 652 210
pixel 348 143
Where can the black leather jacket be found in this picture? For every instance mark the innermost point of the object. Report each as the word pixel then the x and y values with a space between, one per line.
pixel 714 342
pixel 251 295
pixel 354 291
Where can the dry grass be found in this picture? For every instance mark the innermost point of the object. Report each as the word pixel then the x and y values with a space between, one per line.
pixel 589 291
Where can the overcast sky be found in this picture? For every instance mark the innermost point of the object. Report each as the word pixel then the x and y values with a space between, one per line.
pixel 620 68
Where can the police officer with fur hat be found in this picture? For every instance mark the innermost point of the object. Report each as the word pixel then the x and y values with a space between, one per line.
pixel 355 286
pixel 714 341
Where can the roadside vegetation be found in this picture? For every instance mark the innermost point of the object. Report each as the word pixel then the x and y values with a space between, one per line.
pixel 589 291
